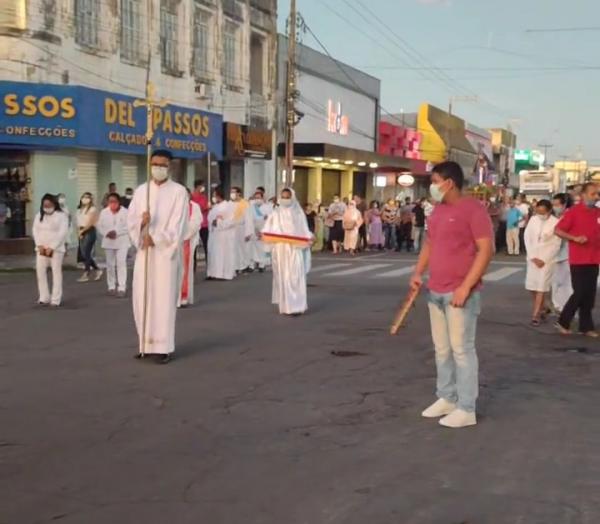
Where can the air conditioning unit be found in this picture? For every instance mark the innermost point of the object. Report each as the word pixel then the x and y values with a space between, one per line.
pixel 203 90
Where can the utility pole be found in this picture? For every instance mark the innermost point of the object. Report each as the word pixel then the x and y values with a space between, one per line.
pixel 545 147
pixel 290 96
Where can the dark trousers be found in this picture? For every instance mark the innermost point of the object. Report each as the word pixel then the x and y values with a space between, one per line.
pixel 362 237
pixel 501 236
pixel 522 240
pixel 86 249
pixel 204 238
pixel 389 231
pixel 584 280
pixel 404 236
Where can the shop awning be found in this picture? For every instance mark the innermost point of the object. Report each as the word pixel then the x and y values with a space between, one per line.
pixel 346 155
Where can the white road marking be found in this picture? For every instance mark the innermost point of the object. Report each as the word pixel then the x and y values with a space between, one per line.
pixel 327 267
pixel 502 273
pixel 396 272
pixel 356 270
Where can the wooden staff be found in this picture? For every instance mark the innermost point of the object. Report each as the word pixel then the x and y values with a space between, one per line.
pixel 150 103
pixel 402 313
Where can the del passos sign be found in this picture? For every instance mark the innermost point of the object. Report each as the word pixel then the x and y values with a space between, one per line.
pixel 73 116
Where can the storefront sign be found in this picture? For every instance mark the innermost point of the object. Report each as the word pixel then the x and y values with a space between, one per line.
pixel 406 180
pixel 337 122
pixel 243 141
pixel 72 116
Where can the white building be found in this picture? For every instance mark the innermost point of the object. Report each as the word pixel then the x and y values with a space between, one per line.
pixel 72 68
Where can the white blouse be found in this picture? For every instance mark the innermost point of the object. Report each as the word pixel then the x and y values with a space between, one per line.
pixel 51 232
pixel 117 222
pixel 85 218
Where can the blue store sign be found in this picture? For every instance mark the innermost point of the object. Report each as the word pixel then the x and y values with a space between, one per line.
pixel 47 115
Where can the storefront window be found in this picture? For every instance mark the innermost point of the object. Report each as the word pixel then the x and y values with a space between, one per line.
pixel 14 196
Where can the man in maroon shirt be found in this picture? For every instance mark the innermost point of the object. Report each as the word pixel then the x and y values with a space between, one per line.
pixel 581 227
pixel 458 250
pixel 199 196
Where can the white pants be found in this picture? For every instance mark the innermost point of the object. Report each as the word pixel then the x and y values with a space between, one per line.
pixel 41 267
pixel 116 268
pixel 512 241
pixel 561 284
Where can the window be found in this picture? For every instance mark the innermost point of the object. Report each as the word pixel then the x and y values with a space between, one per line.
pixel 202 24
pixel 86 18
pixel 168 38
pixel 131 34
pixel 256 64
pixel 230 55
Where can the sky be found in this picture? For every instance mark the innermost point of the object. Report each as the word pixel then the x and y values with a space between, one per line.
pixel 508 54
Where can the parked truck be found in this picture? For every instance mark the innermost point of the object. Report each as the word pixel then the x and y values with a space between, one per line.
pixel 542 184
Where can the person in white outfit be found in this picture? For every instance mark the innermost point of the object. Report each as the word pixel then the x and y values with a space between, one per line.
pixel 561 277
pixel 221 262
pixel 50 230
pixel 191 239
pixel 257 250
pixel 287 235
pixel 112 225
pixel 542 247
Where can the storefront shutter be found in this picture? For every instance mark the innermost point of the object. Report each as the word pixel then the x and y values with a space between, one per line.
pixel 130 178
pixel 87 173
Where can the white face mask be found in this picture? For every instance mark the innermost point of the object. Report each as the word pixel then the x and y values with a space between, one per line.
pixel 128 196
pixel 160 173
pixel 285 202
pixel 214 200
pixel 201 189
pixel 233 196
pixel 336 200
pixel 86 200
pixel 62 201
pixel 48 210
pixel 258 202
pixel 544 217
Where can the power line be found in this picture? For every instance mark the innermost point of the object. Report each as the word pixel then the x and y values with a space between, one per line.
pixel 563 29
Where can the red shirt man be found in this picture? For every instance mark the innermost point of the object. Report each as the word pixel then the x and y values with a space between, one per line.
pixel 581 227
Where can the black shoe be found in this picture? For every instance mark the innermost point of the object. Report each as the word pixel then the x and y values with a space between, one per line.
pixel 261 269
pixel 164 359
pixel 139 356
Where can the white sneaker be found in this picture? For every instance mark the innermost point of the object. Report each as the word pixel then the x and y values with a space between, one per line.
pixel 439 408
pixel 459 419
pixel 98 274
pixel 84 278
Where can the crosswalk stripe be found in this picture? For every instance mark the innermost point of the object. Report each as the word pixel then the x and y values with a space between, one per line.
pixel 327 267
pixel 396 272
pixel 356 270
pixel 499 274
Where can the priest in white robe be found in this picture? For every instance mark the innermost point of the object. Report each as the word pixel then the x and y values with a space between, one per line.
pixel 158 234
pixel 287 236
pixel 188 252
pixel 243 231
pixel 221 262
pixel 258 255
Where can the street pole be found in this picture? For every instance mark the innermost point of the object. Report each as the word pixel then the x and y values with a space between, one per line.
pixel 448 128
pixel 150 103
pixel 290 96
pixel 208 162
pixel 545 147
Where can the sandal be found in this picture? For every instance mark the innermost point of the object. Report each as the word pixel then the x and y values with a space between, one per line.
pixel 535 322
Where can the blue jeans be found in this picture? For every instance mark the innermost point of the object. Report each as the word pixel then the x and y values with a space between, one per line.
pixel 453 332
pixel 389 233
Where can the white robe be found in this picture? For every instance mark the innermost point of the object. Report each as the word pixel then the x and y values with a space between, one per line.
pixel 258 254
pixel 290 263
pixel 222 256
pixel 244 227
pixel 192 233
pixel 168 221
pixel 541 243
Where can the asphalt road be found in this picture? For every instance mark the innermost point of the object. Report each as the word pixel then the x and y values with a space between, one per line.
pixel 257 422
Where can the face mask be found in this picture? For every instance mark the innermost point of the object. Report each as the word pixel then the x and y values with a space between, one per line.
pixel 493 200
pixel 557 210
pixel 201 189
pixel 62 201
pixel 590 203
pixel 233 196
pixel 544 217
pixel 160 173
pixel 86 200
pixel 128 196
pixel 436 193
pixel 285 202
pixel 114 206
pixel 336 200
pixel 48 210
pixel 258 202
pixel 214 200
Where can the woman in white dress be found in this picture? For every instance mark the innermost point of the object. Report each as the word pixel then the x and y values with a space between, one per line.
pixel 352 221
pixel 542 249
pixel 50 230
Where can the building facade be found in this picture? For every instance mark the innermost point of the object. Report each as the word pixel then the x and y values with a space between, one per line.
pixel 504 143
pixel 335 142
pixel 72 69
